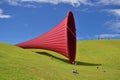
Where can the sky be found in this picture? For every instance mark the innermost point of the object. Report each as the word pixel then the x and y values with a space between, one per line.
pixel 22 20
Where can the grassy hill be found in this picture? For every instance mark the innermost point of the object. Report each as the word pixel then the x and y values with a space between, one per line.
pixel 95 59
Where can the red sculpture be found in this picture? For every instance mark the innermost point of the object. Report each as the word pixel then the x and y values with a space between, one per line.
pixel 61 39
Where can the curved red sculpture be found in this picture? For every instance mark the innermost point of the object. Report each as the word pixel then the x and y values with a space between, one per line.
pixel 61 39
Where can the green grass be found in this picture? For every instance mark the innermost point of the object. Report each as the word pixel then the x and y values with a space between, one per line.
pixel 35 64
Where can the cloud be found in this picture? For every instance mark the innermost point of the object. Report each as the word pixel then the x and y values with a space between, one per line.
pixel 3 16
pixel 109 2
pixel 113 25
pixel 115 12
pixel 13 2
pixel 74 3
pixel 108 35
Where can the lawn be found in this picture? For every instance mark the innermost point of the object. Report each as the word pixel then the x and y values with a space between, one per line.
pixel 95 60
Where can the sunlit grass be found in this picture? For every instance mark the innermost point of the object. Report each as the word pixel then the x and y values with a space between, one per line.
pixel 96 60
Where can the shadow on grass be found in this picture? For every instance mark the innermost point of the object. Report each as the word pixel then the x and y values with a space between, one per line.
pixel 66 61
pixel 87 64
pixel 52 56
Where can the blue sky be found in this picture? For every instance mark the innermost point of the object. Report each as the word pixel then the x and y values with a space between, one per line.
pixel 21 20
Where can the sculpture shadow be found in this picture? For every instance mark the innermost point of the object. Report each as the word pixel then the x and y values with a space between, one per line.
pixel 87 64
pixel 66 61
pixel 52 56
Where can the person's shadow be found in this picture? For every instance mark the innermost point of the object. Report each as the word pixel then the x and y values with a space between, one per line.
pixel 66 61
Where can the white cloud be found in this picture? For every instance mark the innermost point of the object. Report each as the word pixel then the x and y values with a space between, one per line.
pixel 13 2
pixel 114 25
pixel 115 12
pixel 109 2
pixel 108 35
pixel 74 3
pixel 3 16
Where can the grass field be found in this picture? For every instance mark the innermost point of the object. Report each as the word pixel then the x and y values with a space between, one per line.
pixel 95 59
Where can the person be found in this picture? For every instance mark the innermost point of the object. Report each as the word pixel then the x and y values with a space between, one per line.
pixel 104 71
pixel 73 62
pixel 74 71
pixel 97 67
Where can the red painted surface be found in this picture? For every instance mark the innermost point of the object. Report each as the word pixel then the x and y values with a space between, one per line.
pixel 61 39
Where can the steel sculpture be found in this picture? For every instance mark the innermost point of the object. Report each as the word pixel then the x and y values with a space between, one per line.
pixel 61 39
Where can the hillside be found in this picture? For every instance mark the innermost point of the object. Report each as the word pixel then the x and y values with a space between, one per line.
pixel 95 59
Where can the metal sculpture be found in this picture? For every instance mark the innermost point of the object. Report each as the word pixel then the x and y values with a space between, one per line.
pixel 61 39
